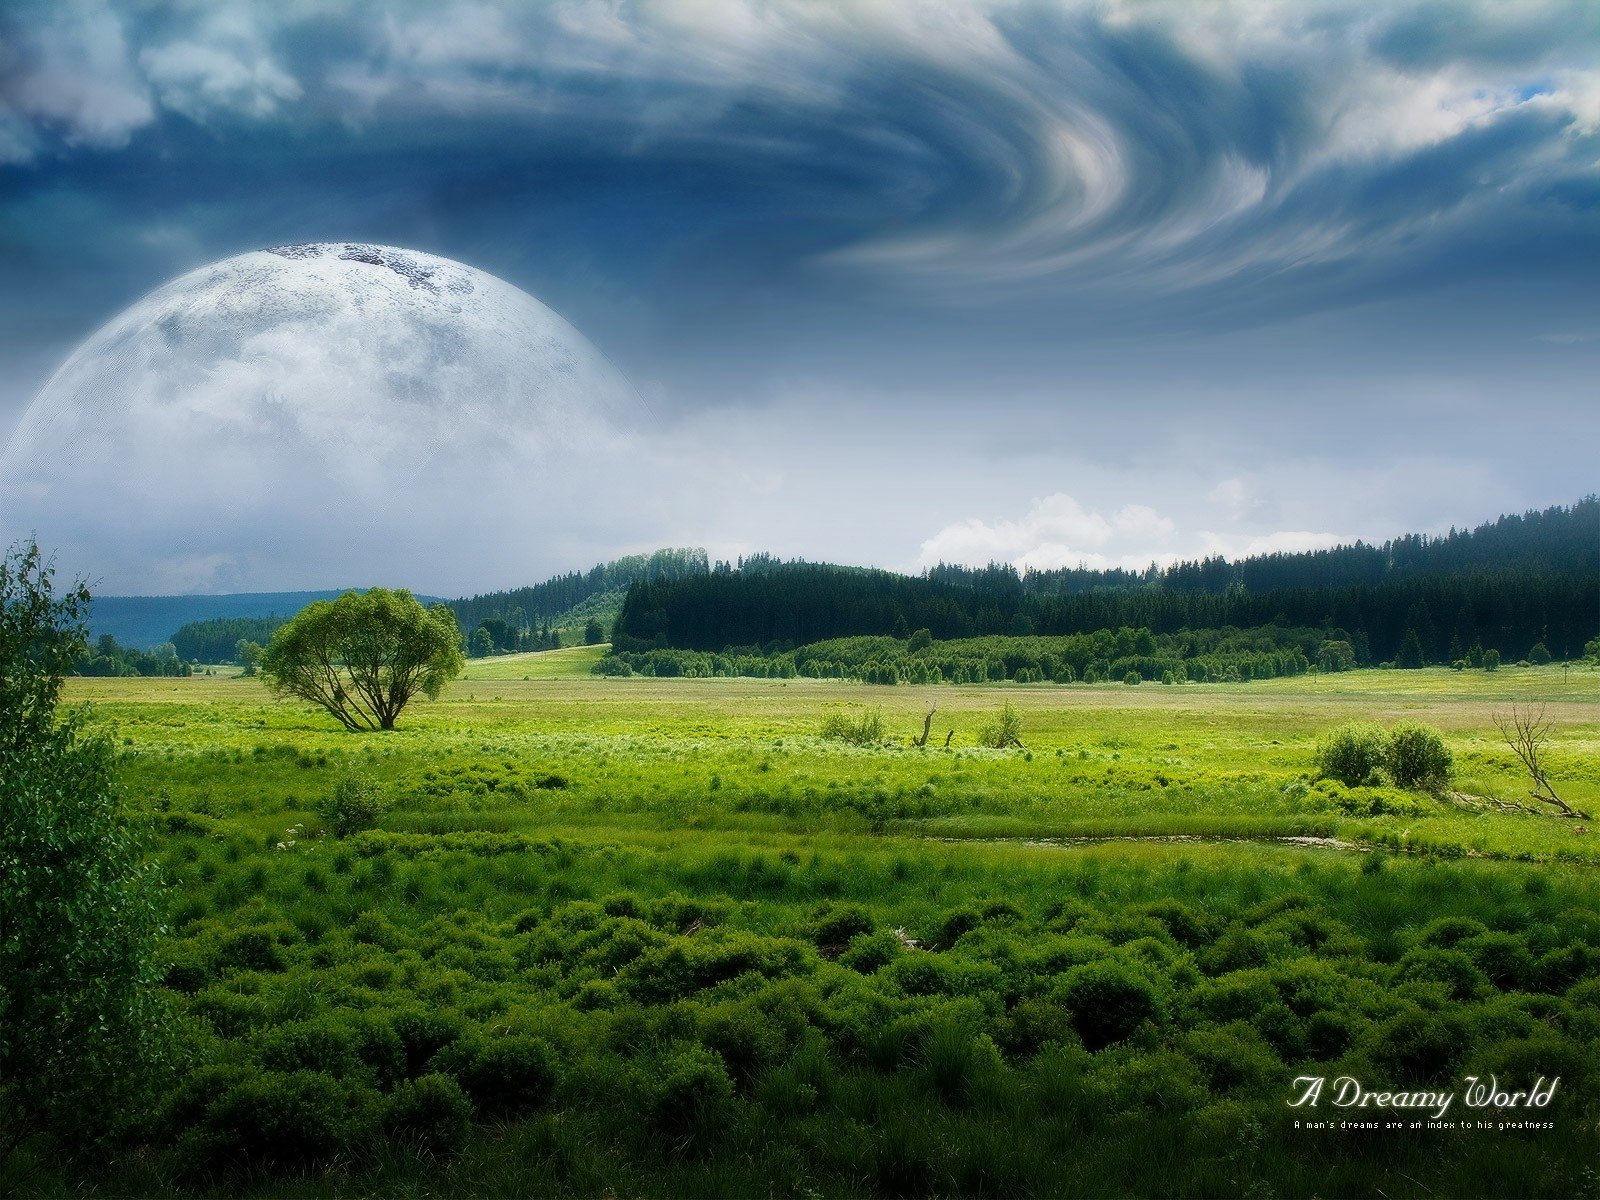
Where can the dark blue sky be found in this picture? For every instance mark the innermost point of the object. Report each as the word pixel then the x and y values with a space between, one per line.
pixel 1045 281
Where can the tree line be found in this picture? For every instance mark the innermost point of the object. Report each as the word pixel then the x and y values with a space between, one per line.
pixel 1121 656
pixel 107 658
pixel 1518 586
pixel 534 609
pixel 218 640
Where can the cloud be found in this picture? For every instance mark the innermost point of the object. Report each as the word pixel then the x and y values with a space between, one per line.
pixel 70 76
pixel 1057 531
pixel 196 80
pixel 949 145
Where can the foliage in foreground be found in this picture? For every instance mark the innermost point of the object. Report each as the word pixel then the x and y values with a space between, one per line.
pixel 725 1010
pixel 79 1015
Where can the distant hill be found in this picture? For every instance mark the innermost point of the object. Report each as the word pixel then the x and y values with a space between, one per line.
pixel 566 602
pixel 146 621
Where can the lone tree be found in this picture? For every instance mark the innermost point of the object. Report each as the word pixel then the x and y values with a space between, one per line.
pixel 80 1019
pixel 365 655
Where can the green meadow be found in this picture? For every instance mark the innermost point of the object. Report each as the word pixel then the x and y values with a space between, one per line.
pixel 638 936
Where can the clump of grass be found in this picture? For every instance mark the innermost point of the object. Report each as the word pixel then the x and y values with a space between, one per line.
pixel 859 729
pixel 1003 730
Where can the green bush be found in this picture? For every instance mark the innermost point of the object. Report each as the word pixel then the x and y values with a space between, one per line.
pixel 355 803
pixel 298 1117
pixel 835 924
pixel 81 1019
pixel 1491 660
pixel 1416 757
pixel 433 1112
pixel 1351 754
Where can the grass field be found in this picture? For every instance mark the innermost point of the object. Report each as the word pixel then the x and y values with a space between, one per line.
pixel 629 936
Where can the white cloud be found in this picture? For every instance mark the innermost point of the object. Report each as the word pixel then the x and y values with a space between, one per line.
pixel 77 78
pixel 1057 531
pixel 196 80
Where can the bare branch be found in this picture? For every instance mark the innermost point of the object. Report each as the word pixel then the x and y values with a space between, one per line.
pixel 1527 732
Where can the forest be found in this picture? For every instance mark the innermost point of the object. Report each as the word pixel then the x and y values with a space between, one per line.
pixel 1521 586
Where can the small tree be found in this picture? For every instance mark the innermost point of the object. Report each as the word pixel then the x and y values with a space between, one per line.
pixel 1410 656
pixel 1491 660
pixel 355 803
pixel 593 632
pixel 1336 655
pixel 80 1020
pixel 248 655
pixel 364 656
pixel 1539 655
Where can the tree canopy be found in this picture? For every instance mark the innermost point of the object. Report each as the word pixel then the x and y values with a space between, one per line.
pixel 364 656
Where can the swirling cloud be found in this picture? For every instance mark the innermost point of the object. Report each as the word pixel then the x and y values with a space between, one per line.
pixel 949 144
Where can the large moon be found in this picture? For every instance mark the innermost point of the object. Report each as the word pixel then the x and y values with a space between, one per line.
pixel 321 415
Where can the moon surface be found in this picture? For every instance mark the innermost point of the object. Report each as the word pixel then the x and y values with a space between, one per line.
pixel 319 415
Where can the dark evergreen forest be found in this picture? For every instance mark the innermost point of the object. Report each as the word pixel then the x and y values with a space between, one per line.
pixel 1512 585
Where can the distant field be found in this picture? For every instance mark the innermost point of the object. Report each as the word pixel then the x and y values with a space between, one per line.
pixel 809 968
pixel 573 662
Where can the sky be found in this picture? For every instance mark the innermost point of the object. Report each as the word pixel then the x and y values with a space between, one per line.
pixel 897 283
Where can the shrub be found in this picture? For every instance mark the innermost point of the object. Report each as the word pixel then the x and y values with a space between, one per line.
pixel 1108 1002
pixel 433 1111
pixel 870 951
pixel 1453 968
pixel 1131 678
pixel 960 1061
pixel 1540 655
pixel 1416 757
pixel 355 804
pixel 1351 754
pixel 862 729
pixel 1491 660
pixel 1418 1047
